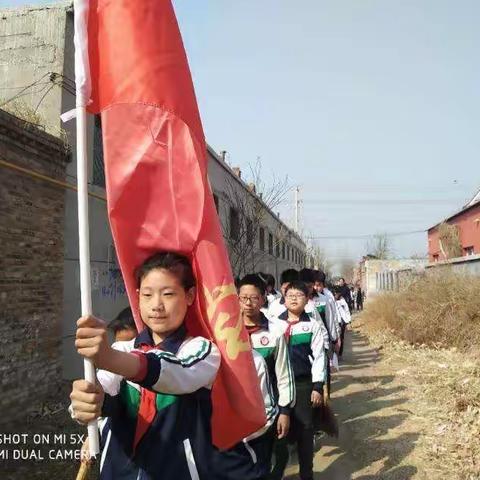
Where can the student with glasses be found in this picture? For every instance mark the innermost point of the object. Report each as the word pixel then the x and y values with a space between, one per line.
pixel 252 458
pixel 307 354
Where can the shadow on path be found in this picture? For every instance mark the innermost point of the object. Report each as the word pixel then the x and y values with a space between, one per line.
pixel 368 409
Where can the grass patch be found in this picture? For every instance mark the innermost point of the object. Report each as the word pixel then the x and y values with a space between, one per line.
pixel 441 311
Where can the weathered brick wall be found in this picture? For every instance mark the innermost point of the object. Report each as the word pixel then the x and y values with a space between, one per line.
pixel 31 266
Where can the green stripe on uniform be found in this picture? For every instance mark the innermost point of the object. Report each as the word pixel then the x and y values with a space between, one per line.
pixel 187 361
pixel 265 351
pixel 164 400
pixel 301 338
pixel 130 397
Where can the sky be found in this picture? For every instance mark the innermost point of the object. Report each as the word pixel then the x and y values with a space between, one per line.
pixel 371 107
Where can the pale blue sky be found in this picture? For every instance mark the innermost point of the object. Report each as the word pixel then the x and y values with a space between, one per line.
pixel 373 102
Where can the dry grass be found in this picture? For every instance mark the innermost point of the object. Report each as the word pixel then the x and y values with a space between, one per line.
pixel 450 243
pixel 430 334
pixel 444 388
pixel 24 112
pixel 438 311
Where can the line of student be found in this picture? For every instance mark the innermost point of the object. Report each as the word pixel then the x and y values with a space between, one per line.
pixel 153 390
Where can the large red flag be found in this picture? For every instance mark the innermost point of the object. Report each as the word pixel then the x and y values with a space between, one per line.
pixel 157 187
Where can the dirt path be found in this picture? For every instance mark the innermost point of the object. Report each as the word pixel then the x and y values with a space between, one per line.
pixel 378 432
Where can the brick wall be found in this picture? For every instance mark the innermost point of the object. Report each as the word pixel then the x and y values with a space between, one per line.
pixel 31 265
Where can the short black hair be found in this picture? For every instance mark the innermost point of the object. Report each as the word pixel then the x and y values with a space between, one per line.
pixel 255 280
pixel 320 276
pixel 306 275
pixel 289 275
pixel 297 285
pixel 336 289
pixel 175 263
pixel 123 321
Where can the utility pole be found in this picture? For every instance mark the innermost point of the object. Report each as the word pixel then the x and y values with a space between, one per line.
pixel 297 204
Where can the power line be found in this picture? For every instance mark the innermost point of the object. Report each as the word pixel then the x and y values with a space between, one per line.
pixel 54 79
pixel 378 202
pixel 43 97
pixel 365 236
pixel 26 88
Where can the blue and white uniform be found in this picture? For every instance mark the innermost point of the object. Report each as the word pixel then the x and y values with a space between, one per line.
pixel 251 458
pixel 177 445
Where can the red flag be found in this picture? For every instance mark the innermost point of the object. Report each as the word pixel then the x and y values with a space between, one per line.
pixel 157 188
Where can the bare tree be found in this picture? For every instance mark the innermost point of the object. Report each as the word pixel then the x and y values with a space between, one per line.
pixel 380 246
pixel 449 239
pixel 347 266
pixel 249 205
pixel 320 260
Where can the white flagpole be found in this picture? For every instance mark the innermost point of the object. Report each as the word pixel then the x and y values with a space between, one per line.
pixel 83 90
pixel 84 254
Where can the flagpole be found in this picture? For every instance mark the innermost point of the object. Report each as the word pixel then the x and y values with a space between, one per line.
pixel 84 253
pixel 82 81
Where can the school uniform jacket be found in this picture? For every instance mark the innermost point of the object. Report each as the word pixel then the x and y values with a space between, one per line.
pixel 177 445
pixel 332 309
pixel 268 341
pixel 306 350
pixel 271 297
pixel 250 459
pixel 324 308
pixel 278 308
pixel 343 311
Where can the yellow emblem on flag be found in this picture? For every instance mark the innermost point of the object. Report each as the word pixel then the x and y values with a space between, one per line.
pixel 230 335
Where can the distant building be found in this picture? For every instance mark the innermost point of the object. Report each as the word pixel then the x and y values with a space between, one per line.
pixel 467 221
pixel 377 276
pixel 37 69
pixel 251 229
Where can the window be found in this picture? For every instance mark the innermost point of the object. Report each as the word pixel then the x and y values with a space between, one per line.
pixel 98 163
pixel 467 251
pixel 270 244
pixel 216 200
pixel 277 248
pixel 262 238
pixel 435 258
pixel 250 236
pixel 288 252
pixel 283 250
pixel 234 224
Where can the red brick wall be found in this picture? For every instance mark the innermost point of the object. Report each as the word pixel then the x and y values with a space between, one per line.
pixel 468 224
pixel 31 262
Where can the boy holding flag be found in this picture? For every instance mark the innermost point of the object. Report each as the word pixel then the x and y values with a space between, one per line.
pixel 155 388
pixel 132 68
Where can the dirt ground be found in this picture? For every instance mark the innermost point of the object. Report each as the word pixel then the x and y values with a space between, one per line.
pixel 379 430
pixel 405 412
